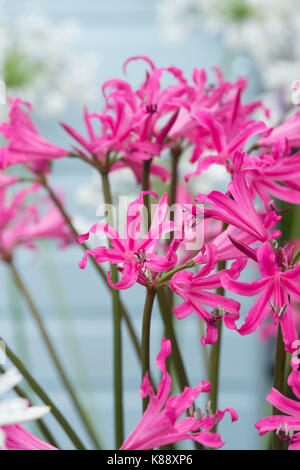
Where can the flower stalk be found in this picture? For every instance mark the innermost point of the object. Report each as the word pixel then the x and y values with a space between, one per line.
pixel 118 368
pixel 215 355
pixel 53 354
pixel 45 399
pixel 97 266
pixel 149 301
pixel 279 383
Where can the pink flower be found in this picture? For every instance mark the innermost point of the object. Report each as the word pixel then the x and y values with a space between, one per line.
pixel 269 329
pixel 194 289
pixel 239 211
pixel 26 145
pixel 160 424
pixel 274 174
pixel 22 223
pixel 289 131
pixel 285 424
pixel 135 124
pixel 294 377
pixel 225 129
pixel 278 287
pixel 137 255
pixel 18 438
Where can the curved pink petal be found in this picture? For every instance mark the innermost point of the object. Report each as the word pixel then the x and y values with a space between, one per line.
pixel 129 277
pixel 257 314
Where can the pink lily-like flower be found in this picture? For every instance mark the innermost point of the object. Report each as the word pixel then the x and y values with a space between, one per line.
pixel 160 426
pixel 18 438
pixel 288 131
pixel 239 211
pixel 194 289
pixel 273 174
pixel 285 424
pixel 137 255
pixel 278 288
pixel 26 145
pixel 228 134
pixel 270 330
pixel 130 125
pixel 22 223
pixel 294 377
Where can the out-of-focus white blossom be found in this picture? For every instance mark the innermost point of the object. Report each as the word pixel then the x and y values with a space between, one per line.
pixel 269 30
pixel 15 410
pixel 40 63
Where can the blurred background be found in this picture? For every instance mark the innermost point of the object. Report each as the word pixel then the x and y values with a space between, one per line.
pixel 57 55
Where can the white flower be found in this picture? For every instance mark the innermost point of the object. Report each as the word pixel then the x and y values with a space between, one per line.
pixel 36 67
pixel 268 30
pixel 15 410
pixel 296 92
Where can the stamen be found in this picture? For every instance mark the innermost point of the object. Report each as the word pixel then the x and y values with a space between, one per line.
pixel 191 410
pixel 282 311
pixel 208 409
pixel 198 415
pixel 151 108
pixel 278 430
pixel 272 306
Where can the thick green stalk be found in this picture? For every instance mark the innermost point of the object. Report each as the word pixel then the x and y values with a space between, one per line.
pixel 214 368
pixel 279 383
pixel 170 332
pixel 176 358
pixel 146 336
pixel 118 368
pixel 100 271
pixel 44 397
pixel 72 343
pixel 53 354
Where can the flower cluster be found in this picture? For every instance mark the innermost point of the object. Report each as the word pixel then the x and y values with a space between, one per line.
pixel 238 227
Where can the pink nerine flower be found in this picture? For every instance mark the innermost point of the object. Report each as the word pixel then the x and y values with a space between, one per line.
pixel 160 425
pixel 289 131
pixel 137 255
pixel 22 223
pixel 18 438
pixel 26 145
pixel 274 174
pixel 285 424
pixel 195 292
pixel 278 287
pixel 294 377
pixel 239 211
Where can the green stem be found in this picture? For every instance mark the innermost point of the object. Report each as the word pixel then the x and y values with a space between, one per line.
pixel 214 369
pixel 146 187
pixel 279 382
pixel 45 398
pixel 52 352
pixel 170 332
pixel 166 277
pixel 100 271
pixel 72 342
pixel 39 422
pixel 118 368
pixel 146 337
